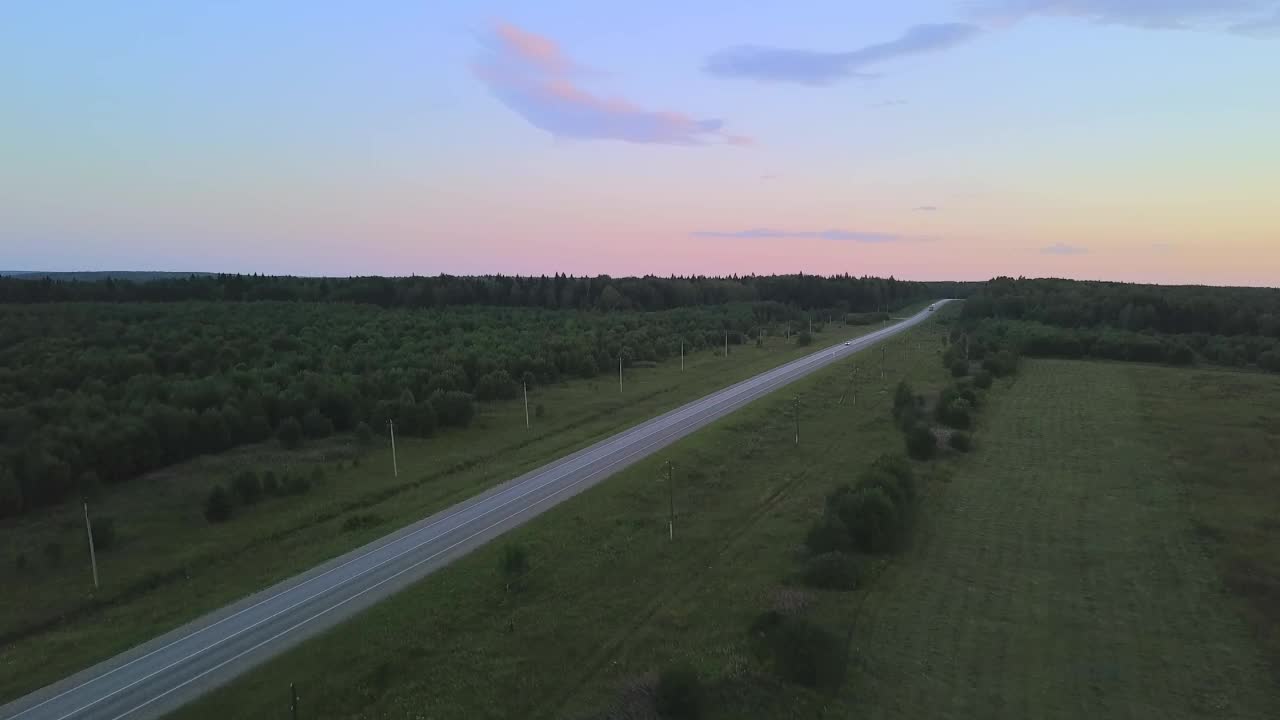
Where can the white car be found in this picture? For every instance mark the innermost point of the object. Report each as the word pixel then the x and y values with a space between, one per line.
pixel 848 342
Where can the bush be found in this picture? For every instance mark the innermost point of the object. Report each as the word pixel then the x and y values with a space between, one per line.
pixel 539 410
pixel 496 385
pixel 316 426
pixel 217 507
pixel 295 484
pixel 956 413
pixel 364 434
pixel 289 434
pixel 804 338
pixel 679 693
pixel 90 485
pixel 827 535
pixel 982 379
pixel 103 531
pixel 872 519
pixel 453 408
pixel 960 368
pixel 53 553
pixel 921 444
pixel 801 651
pixel 961 442
pixel 514 564
pixel 270 484
pixel 831 571
pixel 899 467
pixel 247 487
pixel 360 522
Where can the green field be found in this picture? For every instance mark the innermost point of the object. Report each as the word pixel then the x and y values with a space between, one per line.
pixel 610 599
pixel 170 566
pixel 1066 569
pixel 1061 574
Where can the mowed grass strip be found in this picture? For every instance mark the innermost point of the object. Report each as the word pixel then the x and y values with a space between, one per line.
pixel 1060 574
pixel 609 599
pixel 169 565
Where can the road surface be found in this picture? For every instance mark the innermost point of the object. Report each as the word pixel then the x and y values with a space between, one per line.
pixel 161 675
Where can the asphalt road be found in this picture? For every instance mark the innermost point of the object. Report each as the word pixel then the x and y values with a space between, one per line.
pixel 161 675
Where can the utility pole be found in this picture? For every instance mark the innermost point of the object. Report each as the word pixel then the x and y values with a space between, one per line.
pixel 619 372
pixel 671 499
pixel 526 405
pixel 293 701
pixel 883 350
pixel 682 356
pixel 93 558
pixel 796 400
pixel 395 466
pixel 726 343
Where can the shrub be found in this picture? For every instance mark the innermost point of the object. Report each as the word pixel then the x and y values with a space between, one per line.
pixel 831 571
pixel 802 652
pixel 270 484
pixel 872 519
pixel 961 442
pixel 453 408
pixel 103 531
pixel 982 379
pixel 296 484
pixel 960 368
pixel 217 507
pixel 804 338
pixel 827 535
pixel 679 693
pixel 315 425
pixel 496 385
pixel 899 467
pixel 53 553
pixel 514 564
pixel 904 398
pixel 956 413
pixel 90 485
pixel 921 444
pixel 539 410
pixel 364 434
pixel 289 434
pixel 359 522
pixel 247 487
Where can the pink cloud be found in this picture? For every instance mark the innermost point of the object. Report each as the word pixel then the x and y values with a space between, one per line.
pixel 531 76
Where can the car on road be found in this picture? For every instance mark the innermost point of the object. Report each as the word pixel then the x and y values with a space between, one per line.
pixel 848 342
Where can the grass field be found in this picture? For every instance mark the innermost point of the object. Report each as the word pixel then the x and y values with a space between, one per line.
pixel 170 566
pixel 1061 574
pixel 610 599
pixel 1065 570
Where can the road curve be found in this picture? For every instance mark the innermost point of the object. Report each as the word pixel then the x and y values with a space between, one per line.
pixel 159 676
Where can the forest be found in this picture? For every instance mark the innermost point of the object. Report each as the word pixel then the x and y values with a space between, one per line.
pixel 1238 327
pixel 133 377
pixel 839 293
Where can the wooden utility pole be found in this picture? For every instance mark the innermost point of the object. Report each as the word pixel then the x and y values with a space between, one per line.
pixel 395 466
pixel 93 558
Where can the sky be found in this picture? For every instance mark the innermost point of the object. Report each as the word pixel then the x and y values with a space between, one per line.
pixel 1134 140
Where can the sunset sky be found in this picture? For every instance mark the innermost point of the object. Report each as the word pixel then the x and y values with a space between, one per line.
pixel 960 139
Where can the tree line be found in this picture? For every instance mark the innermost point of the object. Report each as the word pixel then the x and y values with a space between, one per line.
pixel 842 293
pixel 1238 327
pixel 95 394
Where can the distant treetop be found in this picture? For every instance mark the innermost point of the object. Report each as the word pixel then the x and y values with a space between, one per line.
pixel 555 291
